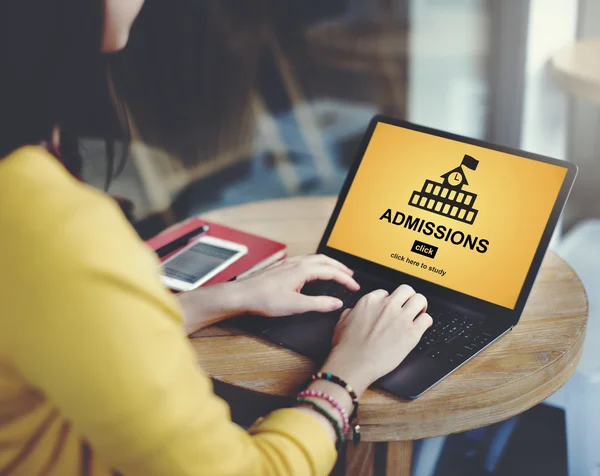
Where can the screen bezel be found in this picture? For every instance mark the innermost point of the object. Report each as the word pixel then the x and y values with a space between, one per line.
pixel 426 287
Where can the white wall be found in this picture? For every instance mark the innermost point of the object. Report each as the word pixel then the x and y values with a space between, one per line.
pixel 447 74
pixel 584 130
pixel 545 124
pixel 552 26
pixel 448 86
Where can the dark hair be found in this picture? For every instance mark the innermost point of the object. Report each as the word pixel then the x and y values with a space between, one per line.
pixel 188 73
pixel 186 76
pixel 53 75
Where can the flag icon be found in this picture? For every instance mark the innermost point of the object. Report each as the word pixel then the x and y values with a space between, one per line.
pixel 448 198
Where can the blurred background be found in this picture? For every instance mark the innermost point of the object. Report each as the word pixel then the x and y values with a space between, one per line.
pixel 303 80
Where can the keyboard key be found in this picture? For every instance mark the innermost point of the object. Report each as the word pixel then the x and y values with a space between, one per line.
pixel 453 359
pixel 435 354
pixel 448 339
pixel 481 342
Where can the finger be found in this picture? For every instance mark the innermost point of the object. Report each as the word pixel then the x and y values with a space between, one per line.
pixel 415 305
pixel 378 294
pixel 401 295
pixel 345 313
pixel 341 324
pixel 423 322
pixel 327 273
pixel 300 303
pixel 324 259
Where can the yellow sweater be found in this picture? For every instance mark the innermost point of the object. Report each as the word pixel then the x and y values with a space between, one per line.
pixel 96 373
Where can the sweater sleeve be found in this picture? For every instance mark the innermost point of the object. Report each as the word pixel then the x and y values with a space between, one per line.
pixel 96 332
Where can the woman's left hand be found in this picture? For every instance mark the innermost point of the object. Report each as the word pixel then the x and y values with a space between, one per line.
pixel 275 291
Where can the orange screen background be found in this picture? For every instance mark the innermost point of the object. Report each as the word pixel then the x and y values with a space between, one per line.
pixel 515 197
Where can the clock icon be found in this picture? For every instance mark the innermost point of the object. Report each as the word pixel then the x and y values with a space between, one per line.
pixel 455 179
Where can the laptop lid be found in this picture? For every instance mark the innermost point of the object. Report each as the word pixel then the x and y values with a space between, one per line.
pixel 457 218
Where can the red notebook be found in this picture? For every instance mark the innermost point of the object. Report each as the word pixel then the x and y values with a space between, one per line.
pixel 262 252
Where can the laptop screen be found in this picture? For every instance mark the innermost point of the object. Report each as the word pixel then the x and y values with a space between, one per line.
pixel 462 216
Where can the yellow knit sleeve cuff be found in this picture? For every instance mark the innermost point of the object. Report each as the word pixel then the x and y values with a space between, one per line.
pixel 306 432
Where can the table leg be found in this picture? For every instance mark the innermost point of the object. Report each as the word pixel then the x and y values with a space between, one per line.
pixel 359 459
pixel 399 458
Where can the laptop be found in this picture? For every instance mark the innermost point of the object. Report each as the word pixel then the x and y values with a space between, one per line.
pixel 464 222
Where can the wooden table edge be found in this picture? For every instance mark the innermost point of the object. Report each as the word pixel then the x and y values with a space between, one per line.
pixel 514 406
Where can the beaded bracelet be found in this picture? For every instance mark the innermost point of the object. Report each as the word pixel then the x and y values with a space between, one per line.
pixel 326 414
pixel 334 379
pixel 334 403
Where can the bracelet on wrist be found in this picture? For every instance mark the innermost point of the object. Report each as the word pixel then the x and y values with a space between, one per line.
pixel 338 381
pixel 336 425
pixel 332 401
pixel 354 416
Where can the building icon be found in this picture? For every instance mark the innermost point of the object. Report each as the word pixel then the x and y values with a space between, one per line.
pixel 447 198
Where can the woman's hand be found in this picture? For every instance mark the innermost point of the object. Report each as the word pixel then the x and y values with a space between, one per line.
pixel 275 291
pixel 372 339
pixel 272 292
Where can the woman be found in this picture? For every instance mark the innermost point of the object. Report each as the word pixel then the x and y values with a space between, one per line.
pixel 96 372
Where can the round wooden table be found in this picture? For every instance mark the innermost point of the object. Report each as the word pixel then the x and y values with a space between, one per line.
pixel 522 369
pixel 576 69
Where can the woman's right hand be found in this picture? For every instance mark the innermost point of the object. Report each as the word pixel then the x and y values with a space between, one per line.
pixel 372 339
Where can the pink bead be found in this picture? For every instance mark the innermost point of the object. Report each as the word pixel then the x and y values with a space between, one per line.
pixel 332 401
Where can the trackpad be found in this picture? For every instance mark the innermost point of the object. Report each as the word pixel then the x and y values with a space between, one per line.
pixel 308 334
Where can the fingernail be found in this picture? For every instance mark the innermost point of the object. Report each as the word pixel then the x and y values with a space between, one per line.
pixel 336 303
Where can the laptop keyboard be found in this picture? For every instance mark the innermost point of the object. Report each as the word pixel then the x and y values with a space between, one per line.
pixel 453 337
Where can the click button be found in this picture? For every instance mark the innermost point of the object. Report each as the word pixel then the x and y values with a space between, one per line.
pixel 424 249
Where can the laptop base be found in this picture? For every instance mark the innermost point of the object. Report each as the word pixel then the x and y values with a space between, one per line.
pixel 311 334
